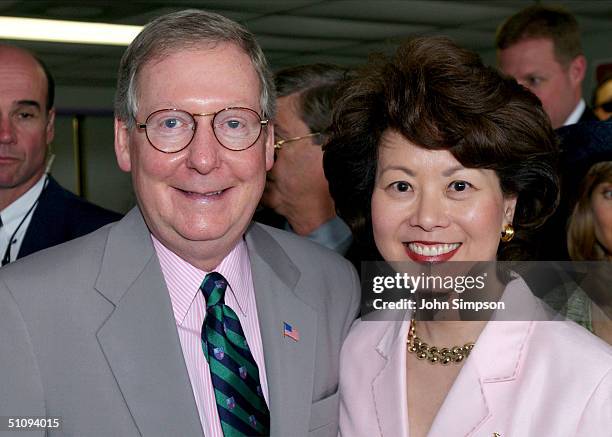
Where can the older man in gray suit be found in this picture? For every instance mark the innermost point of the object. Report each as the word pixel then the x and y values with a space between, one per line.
pixel 184 317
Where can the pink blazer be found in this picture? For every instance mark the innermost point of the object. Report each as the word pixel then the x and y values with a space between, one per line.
pixel 522 379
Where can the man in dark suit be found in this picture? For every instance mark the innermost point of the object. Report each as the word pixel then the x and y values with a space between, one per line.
pixel 185 318
pixel 540 47
pixel 35 211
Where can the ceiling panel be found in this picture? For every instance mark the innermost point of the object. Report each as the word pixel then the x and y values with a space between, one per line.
pixel 349 61
pixel 435 13
pixel 577 7
pixel 298 31
pixel 273 42
pixel 330 27
pixel 144 16
pixel 363 49
pixel 475 39
pixel 257 6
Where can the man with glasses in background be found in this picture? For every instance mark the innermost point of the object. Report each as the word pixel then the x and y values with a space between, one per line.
pixel 185 318
pixel 296 187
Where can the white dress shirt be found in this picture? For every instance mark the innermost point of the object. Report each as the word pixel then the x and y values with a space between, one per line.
pixel 189 305
pixel 13 215
pixel 574 117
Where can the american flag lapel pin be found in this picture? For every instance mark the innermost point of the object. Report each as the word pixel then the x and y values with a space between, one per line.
pixel 291 332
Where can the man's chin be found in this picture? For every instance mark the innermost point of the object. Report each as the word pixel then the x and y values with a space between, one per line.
pixel 205 232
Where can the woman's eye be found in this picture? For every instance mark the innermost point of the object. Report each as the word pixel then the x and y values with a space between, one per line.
pixel 401 186
pixel 459 185
pixel 607 194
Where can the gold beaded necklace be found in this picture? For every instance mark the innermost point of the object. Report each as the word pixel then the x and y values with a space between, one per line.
pixel 433 354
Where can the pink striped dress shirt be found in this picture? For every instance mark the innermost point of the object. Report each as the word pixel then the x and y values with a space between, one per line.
pixel 183 281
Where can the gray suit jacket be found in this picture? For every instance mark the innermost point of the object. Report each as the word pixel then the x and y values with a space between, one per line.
pixel 100 322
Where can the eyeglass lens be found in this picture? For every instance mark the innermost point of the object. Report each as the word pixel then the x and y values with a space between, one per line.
pixel 171 130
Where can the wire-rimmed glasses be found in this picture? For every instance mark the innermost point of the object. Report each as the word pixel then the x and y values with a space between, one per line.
pixel 281 142
pixel 171 130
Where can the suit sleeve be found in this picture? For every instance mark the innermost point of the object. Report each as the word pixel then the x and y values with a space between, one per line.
pixel 355 300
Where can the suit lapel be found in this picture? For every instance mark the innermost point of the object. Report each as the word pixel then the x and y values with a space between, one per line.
pixel 463 411
pixel 465 408
pixel 289 364
pixel 493 365
pixel 47 225
pixel 389 385
pixel 139 339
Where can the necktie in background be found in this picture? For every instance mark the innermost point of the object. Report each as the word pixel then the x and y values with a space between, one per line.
pixel 235 377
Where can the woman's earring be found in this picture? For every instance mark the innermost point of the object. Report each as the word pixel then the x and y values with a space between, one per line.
pixel 508 233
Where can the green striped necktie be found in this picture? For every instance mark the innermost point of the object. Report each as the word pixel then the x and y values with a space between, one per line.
pixel 240 402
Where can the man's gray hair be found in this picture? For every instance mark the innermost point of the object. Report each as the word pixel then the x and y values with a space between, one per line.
pixel 188 29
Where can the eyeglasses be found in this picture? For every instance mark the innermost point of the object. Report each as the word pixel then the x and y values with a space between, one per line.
pixel 607 106
pixel 281 143
pixel 171 130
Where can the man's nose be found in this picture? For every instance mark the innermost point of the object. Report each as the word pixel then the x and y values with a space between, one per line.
pixel 431 211
pixel 204 149
pixel 7 131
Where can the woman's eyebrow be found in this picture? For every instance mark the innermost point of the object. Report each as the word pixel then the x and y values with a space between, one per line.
pixel 452 170
pixel 400 168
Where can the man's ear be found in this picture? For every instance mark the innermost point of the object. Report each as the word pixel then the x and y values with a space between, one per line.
pixel 122 145
pixel 577 70
pixel 50 128
pixel 269 145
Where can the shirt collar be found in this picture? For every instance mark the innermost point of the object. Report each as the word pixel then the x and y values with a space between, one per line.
pixel 333 234
pixel 19 208
pixel 183 279
pixel 576 113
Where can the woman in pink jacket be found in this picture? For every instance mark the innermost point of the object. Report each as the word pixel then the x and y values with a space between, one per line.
pixel 434 157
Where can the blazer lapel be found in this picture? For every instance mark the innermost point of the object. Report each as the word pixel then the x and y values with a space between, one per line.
pixel 389 385
pixel 289 363
pixel 462 412
pixel 493 364
pixel 139 339
pixel 465 408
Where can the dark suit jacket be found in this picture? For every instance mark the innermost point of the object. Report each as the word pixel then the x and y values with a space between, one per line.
pixel 582 145
pixel 62 216
pixel 587 115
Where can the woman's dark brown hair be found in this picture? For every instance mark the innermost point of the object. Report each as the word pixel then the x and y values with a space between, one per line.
pixel 441 96
pixel 581 241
